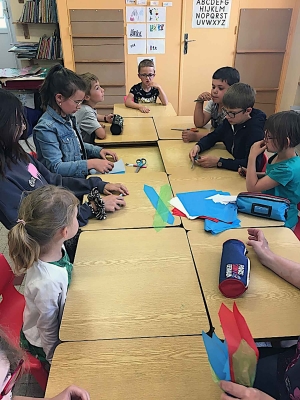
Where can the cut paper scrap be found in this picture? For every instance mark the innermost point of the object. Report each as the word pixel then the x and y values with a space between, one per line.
pixel 179 213
pixel 235 359
pixel 216 226
pixel 223 199
pixel 175 202
pixel 160 202
pixel 119 168
pixel 196 204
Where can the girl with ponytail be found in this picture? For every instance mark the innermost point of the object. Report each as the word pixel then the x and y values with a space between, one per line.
pixel 57 137
pixel 47 217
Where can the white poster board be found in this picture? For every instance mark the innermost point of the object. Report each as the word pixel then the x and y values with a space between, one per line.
pixel 135 14
pixel 136 46
pixel 211 13
pixel 156 46
pixel 156 14
pixel 156 31
pixel 137 31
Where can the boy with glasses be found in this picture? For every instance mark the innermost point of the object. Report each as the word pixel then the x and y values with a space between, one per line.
pixel 243 126
pixel 147 91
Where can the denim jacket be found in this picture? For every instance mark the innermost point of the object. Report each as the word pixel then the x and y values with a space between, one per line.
pixel 59 149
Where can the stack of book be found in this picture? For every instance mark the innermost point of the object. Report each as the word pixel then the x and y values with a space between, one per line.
pixel 25 50
pixel 49 48
pixel 39 12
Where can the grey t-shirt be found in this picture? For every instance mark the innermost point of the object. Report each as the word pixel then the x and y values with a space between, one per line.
pixel 86 118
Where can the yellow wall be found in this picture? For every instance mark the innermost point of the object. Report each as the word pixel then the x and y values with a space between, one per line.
pixel 168 65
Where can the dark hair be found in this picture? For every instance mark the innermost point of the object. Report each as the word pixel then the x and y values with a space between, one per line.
pixel 239 95
pixel 12 119
pixel 145 63
pixel 60 80
pixel 283 125
pixel 42 213
pixel 227 74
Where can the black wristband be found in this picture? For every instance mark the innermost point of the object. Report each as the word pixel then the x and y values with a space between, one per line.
pixel 105 120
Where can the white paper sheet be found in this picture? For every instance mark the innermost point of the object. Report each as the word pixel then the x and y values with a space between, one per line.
pixel 141 2
pixel 156 14
pixel 223 199
pixel 136 46
pixel 175 202
pixel 130 1
pixel 156 31
pixel 136 14
pixel 137 31
pixel 156 46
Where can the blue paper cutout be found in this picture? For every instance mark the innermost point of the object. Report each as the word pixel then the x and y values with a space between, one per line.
pixel 218 227
pixel 218 356
pixel 154 199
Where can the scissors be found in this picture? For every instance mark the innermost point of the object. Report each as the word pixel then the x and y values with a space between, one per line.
pixel 140 162
pixel 186 129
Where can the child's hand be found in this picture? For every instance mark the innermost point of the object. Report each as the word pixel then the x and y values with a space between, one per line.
pixel 205 96
pixel 72 393
pixel 102 166
pixel 257 148
pixel 104 153
pixel 109 118
pixel 257 240
pixel 207 161
pixel 242 171
pixel 241 392
pixel 195 150
pixel 154 84
pixel 115 187
pixel 144 109
pixel 113 203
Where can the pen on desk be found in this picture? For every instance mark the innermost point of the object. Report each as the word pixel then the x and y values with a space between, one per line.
pixel 135 165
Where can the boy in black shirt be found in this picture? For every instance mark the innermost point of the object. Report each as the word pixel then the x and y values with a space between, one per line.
pixel 147 91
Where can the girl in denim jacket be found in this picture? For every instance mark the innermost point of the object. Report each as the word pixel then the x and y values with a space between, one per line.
pixel 57 138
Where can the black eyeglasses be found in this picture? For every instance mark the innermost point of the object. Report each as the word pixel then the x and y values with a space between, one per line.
pixel 147 75
pixel 12 380
pixel 232 114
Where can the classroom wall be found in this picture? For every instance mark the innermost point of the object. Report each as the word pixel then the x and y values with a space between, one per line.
pixel 168 65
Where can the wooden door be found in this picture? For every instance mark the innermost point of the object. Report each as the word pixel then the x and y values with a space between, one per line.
pixel 213 48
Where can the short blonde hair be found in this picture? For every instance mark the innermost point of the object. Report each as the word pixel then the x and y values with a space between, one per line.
pixel 88 79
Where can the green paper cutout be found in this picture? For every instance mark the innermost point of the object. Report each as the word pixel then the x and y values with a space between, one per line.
pixel 213 374
pixel 162 210
pixel 244 364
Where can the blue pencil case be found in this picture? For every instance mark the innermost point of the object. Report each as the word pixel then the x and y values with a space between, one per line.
pixel 263 205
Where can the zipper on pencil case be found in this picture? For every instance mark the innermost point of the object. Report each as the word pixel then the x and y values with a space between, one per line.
pixel 256 195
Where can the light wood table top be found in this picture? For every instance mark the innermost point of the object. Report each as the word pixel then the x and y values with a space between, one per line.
pixel 270 305
pixel 133 283
pixel 175 156
pixel 139 212
pixel 157 110
pixel 136 130
pixel 232 183
pixel 172 368
pixel 164 126
pixel 131 154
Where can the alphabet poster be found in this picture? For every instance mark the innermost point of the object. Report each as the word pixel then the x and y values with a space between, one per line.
pixel 136 46
pixel 156 46
pixel 156 14
pixel 155 30
pixel 135 14
pixel 211 13
pixel 136 31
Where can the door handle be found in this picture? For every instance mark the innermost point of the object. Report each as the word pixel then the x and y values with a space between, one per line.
pixel 186 41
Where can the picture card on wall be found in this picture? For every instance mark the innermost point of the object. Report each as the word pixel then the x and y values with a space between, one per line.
pixel 156 46
pixel 155 30
pixel 136 46
pixel 136 31
pixel 130 1
pixel 135 14
pixel 154 3
pixel 139 59
pixel 156 14
pixel 141 2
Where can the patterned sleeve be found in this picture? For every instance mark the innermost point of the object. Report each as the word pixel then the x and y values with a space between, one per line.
pixel 208 107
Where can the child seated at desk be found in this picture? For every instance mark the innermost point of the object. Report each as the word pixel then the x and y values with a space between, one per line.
pixel 222 79
pixel 47 217
pixel 57 139
pixel 147 91
pixel 87 117
pixel 282 178
pixel 243 126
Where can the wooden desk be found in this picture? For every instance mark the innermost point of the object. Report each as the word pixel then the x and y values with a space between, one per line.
pixel 232 183
pixel 164 126
pixel 130 154
pixel 136 130
pixel 157 110
pixel 173 368
pixel 133 283
pixel 175 156
pixel 139 212
pixel 270 305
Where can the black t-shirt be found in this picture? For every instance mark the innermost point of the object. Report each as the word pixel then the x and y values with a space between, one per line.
pixel 140 96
